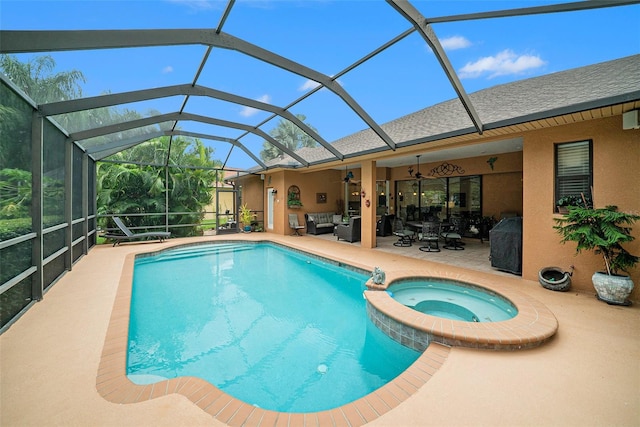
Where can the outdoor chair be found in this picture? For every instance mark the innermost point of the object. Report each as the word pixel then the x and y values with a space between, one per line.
pixel 384 225
pixel 404 234
pixel 350 232
pixel 295 225
pixel 130 235
pixel 453 235
pixel 430 236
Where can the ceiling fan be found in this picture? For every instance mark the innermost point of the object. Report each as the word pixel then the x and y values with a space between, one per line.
pixel 418 175
pixel 349 177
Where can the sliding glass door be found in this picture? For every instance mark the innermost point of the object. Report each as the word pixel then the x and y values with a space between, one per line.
pixel 439 198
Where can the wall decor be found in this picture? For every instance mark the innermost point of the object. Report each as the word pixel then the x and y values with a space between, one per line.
pixel 293 197
pixel 446 169
pixel 321 197
pixel 491 161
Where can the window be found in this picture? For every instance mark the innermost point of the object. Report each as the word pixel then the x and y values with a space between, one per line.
pixel 574 169
pixel 439 198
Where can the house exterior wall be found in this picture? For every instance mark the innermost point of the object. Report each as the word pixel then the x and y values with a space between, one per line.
pixel 521 182
pixel 501 186
pixel 253 195
pixel 501 192
pixel 310 183
pixel 616 166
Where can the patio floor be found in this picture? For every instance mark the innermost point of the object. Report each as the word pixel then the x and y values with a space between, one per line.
pixel 587 375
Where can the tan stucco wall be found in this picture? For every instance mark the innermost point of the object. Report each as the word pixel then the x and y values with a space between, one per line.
pixel 225 201
pixel 310 183
pixel 502 186
pixel 501 193
pixel 521 182
pixel 616 162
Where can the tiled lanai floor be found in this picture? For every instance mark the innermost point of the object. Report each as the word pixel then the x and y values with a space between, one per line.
pixel 588 374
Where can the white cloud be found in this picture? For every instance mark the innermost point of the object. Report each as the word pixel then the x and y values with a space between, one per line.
pixel 455 42
pixel 194 4
pixel 312 84
pixel 167 69
pixel 504 63
pixel 308 85
pixel 250 111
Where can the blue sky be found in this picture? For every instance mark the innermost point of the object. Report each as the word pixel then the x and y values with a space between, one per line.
pixel 327 36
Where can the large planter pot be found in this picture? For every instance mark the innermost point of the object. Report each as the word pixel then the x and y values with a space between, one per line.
pixel 612 289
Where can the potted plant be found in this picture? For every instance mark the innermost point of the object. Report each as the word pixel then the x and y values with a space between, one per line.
pixel 293 200
pixel 603 231
pixel 246 217
pixel 571 200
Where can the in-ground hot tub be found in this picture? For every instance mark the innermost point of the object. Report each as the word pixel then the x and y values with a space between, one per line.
pixel 452 300
pixel 477 313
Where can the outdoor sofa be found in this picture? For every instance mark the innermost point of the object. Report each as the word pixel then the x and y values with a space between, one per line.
pixel 321 222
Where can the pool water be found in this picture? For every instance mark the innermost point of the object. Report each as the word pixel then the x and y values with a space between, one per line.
pixel 272 327
pixel 453 300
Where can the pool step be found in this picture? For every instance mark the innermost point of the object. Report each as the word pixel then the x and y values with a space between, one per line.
pixel 203 250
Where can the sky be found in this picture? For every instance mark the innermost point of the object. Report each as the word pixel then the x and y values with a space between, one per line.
pixel 327 36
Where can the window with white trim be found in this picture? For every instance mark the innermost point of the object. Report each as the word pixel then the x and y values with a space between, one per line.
pixel 574 169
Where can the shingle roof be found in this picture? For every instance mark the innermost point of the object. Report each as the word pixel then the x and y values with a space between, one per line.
pixel 564 92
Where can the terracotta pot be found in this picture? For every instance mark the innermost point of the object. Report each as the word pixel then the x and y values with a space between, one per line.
pixel 612 289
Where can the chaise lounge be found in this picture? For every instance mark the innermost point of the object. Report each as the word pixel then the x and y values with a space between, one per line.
pixel 130 235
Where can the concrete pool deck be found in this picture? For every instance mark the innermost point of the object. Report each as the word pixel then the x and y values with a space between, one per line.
pixel 587 374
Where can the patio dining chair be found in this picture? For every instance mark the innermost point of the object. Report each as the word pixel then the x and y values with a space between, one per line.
pixel 405 235
pixel 453 235
pixel 430 236
pixel 295 225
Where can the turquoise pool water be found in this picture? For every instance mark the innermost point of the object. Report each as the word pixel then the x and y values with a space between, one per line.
pixel 453 300
pixel 270 326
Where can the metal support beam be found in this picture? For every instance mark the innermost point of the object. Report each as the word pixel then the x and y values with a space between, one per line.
pixel 412 15
pixel 15 41
pixel 109 100
pixel 132 124
pixel 68 203
pixel 536 10
pixel 85 203
pixel 37 130
pixel 233 142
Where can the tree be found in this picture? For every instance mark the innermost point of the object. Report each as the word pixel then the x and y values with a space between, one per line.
pixel 35 78
pixel 289 135
pixel 126 188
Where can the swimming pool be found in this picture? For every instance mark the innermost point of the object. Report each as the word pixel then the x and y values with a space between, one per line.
pixel 453 300
pixel 275 328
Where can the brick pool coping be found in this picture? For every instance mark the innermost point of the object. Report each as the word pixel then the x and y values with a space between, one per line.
pixel 534 324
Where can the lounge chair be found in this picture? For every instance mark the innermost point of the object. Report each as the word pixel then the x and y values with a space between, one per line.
pixel 130 235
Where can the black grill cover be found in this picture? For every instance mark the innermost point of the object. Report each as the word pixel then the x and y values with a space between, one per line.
pixel 506 245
